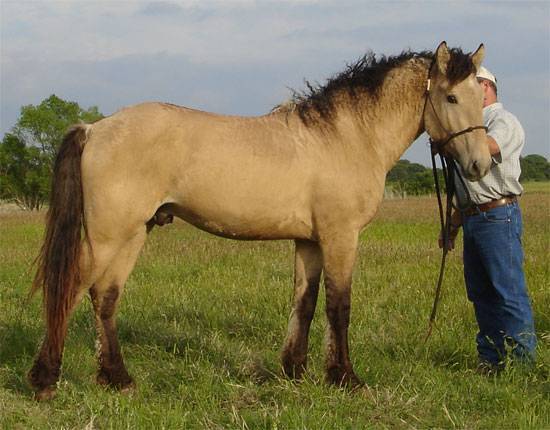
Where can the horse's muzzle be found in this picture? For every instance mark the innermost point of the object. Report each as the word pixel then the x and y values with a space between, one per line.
pixel 476 169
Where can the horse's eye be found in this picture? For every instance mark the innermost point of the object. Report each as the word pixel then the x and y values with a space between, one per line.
pixel 452 99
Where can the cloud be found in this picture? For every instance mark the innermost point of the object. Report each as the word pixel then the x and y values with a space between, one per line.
pixel 222 32
pixel 240 57
pixel 161 8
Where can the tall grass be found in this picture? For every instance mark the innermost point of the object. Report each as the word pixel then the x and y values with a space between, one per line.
pixel 202 321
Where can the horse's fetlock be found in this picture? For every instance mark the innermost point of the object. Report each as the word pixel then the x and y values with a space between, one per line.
pixel 294 361
pixel 44 374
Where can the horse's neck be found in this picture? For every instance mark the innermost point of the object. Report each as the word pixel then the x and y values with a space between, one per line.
pixel 389 124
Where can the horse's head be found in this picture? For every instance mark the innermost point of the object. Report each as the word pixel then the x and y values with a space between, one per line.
pixel 453 115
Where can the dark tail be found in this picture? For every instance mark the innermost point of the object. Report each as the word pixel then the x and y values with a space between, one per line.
pixel 58 271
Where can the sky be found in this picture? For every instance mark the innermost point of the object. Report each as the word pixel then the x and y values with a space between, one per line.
pixel 244 57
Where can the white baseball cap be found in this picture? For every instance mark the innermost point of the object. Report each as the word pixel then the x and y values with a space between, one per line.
pixel 483 73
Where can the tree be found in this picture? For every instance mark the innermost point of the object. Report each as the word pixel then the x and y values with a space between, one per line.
pixel 534 168
pixel 416 179
pixel 412 178
pixel 403 171
pixel 25 173
pixel 45 125
pixel 28 152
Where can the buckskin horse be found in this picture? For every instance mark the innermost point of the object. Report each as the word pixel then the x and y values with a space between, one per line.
pixel 312 171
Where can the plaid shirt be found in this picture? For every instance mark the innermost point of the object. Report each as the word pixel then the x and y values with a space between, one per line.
pixel 503 178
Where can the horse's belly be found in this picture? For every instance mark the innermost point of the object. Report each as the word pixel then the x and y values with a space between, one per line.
pixel 245 224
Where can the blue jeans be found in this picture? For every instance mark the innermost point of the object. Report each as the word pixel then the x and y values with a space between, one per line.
pixel 495 283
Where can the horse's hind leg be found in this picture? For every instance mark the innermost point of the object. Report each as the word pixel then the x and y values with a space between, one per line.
pixel 105 294
pixel 46 369
pixel 307 272
pixel 105 273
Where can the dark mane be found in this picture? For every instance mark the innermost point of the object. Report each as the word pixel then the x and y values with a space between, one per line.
pixel 366 74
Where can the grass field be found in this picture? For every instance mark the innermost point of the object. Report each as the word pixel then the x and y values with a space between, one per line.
pixel 202 322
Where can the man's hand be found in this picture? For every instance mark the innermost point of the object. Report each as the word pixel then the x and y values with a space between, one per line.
pixel 456 223
pixel 452 236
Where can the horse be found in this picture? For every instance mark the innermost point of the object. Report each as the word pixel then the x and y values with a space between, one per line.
pixel 312 170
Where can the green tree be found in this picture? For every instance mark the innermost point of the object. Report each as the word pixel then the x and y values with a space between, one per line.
pixel 25 173
pixel 411 178
pixel 534 167
pixel 404 170
pixel 28 152
pixel 422 183
pixel 45 125
pixel 416 179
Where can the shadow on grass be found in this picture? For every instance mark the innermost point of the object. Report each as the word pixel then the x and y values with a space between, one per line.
pixel 18 346
pixel 224 342
pixel 17 340
pixel 221 342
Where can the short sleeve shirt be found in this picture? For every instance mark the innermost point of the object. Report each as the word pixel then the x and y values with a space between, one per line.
pixel 503 177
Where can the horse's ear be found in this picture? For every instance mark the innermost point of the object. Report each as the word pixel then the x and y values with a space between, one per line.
pixel 477 57
pixel 442 57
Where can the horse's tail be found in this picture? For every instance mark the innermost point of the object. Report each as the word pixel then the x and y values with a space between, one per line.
pixel 58 272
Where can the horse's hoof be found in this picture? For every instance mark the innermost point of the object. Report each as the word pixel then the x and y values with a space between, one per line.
pixel 293 370
pixel 354 383
pixel 45 394
pixel 122 382
pixel 128 389
pixel 346 379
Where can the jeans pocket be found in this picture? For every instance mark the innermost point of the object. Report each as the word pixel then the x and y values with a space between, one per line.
pixel 498 215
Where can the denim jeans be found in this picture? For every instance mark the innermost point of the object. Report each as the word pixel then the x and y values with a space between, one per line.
pixel 495 283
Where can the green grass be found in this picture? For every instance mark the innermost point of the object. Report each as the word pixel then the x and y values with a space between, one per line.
pixel 536 187
pixel 202 321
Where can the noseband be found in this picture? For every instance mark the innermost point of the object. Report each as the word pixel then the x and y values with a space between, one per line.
pixel 438 145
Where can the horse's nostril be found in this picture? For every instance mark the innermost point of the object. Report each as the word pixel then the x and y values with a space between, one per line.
pixel 475 167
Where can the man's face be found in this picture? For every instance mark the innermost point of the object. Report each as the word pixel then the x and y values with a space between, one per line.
pixel 485 86
pixel 484 83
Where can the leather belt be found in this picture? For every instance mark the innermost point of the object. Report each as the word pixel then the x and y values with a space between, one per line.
pixel 484 207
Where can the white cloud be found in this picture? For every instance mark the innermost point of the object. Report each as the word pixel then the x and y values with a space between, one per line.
pixel 214 32
pixel 105 49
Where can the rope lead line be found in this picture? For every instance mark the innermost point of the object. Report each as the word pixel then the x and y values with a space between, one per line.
pixel 447 167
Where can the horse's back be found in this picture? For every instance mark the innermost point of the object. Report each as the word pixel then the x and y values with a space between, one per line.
pixel 233 176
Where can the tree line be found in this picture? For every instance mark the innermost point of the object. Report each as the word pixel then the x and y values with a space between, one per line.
pixel 28 151
pixel 416 179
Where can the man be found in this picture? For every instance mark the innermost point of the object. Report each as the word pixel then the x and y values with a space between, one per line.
pixel 493 254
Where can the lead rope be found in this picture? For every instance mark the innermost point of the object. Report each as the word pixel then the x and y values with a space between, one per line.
pixel 447 167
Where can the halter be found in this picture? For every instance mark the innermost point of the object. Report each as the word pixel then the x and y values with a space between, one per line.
pixel 439 145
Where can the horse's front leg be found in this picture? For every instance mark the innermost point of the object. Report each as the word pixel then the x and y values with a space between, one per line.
pixel 339 254
pixel 307 273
